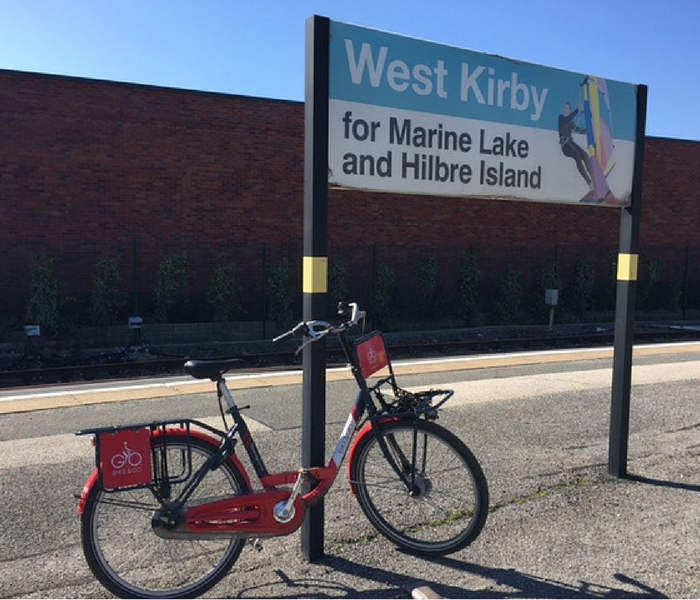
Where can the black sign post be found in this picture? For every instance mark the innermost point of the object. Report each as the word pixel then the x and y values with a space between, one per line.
pixel 315 268
pixel 627 267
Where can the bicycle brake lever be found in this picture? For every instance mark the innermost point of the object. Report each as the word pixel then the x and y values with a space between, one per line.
pixel 306 342
pixel 311 336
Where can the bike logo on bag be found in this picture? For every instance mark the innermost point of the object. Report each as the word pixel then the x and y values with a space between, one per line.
pixel 372 355
pixel 125 457
pixel 127 461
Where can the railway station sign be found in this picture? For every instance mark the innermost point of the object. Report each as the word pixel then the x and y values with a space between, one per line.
pixel 417 117
pixel 389 113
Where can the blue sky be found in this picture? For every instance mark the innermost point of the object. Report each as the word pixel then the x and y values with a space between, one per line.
pixel 256 47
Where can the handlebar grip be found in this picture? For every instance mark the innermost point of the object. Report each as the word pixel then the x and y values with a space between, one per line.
pixel 344 309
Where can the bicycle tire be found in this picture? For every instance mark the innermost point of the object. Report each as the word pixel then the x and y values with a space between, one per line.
pixel 131 561
pixel 449 504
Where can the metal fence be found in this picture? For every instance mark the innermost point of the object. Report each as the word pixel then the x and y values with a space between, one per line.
pixel 410 283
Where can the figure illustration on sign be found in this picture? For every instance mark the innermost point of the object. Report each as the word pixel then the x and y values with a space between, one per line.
pixel 597 163
pixel 569 147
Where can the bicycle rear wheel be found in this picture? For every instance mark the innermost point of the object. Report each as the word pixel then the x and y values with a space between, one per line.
pixel 447 506
pixel 131 561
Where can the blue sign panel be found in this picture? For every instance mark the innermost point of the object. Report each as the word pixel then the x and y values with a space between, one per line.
pixel 412 116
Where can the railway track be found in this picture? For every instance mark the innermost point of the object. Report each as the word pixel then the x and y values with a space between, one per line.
pixel 125 366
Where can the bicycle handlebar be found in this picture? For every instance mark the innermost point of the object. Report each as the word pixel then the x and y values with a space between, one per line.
pixel 317 329
pixel 292 332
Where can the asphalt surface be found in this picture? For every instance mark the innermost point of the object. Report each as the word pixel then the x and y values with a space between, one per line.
pixel 559 525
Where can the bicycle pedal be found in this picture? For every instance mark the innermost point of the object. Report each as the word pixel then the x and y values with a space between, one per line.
pixel 257 544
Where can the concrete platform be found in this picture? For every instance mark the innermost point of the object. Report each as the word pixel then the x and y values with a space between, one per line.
pixel 559 525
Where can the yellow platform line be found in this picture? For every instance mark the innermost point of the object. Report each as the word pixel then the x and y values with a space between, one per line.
pixel 24 402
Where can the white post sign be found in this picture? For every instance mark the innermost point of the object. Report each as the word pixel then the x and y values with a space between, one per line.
pixel 411 116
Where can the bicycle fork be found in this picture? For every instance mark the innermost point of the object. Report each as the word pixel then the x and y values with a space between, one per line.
pixel 396 457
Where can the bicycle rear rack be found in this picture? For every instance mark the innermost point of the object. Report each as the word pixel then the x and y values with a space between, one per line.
pixel 133 456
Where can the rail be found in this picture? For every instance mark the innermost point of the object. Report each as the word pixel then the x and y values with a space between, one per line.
pixel 124 368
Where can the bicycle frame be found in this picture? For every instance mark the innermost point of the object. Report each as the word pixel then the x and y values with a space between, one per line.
pixel 273 510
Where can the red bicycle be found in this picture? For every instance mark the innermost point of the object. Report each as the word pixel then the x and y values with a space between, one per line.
pixel 170 516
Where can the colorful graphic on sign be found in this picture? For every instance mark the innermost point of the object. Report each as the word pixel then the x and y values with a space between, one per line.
pixel 411 116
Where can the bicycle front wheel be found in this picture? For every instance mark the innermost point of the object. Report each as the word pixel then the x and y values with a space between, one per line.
pixel 131 561
pixel 442 506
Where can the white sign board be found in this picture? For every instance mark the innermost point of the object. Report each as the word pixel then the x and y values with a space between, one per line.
pixel 415 117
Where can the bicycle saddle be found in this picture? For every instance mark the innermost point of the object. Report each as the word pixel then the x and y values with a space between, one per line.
pixel 210 369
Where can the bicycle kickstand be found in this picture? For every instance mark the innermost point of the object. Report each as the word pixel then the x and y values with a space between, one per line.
pixel 256 543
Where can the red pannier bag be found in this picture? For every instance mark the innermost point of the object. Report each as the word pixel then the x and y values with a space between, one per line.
pixel 125 458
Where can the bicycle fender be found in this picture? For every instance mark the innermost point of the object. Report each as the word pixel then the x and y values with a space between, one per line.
pixel 364 432
pixel 95 475
pixel 89 484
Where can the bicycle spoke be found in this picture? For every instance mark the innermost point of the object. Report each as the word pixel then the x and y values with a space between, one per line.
pixel 114 498
pixel 446 506
pixel 128 557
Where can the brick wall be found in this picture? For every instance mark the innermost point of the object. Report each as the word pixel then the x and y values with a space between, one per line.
pixel 92 169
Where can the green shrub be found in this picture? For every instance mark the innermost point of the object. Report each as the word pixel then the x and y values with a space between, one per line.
pixel 506 306
pixel 106 302
pixel 279 298
pixel 545 277
pixel 170 291
pixel 579 291
pixel 338 290
pixel 605 291
pixel 383 293
pixel 468 276
pixel 44 303
pixel 649 270
pixel 427 288
pixel 224 291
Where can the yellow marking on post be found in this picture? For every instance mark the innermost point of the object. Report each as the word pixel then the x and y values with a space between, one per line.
pixel 627 265
pixel 315 275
